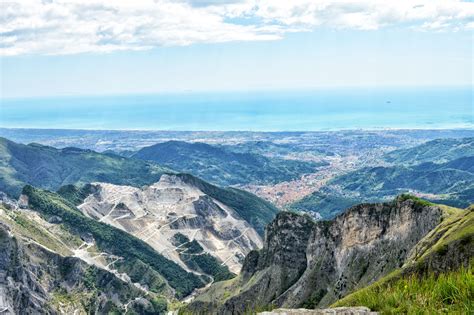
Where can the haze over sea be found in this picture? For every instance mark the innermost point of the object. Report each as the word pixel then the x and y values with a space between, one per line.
pixel 304 110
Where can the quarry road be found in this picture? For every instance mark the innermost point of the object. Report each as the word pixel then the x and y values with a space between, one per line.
pixel 196 292
pixel 158 230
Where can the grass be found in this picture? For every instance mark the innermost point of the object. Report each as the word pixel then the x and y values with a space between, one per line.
pixel 458 226
pixel 28 225
pixel 451 292
pixel 449 211
pixel 418 200
pixel 69 301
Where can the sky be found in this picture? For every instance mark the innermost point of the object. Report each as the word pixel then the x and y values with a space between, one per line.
pixel 98 47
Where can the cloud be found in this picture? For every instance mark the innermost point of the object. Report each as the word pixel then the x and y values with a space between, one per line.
pixel 73 26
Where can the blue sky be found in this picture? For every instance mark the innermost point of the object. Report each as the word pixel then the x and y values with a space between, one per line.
pixel 239 45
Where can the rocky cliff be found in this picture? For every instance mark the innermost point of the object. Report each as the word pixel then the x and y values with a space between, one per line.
pixel 437 275
pixel 40 275
pixel 313 264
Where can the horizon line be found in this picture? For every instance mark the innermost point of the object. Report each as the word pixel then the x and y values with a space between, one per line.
pixel 251 131
pixel 242 90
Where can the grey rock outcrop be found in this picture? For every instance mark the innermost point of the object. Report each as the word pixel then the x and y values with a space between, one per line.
pixel 312 264
pixel 34 280
pixel 54 219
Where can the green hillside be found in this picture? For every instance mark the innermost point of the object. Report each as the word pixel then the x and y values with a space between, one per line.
pixel 327 205
pixel 221 165
pixel 50 168
pixel 439 151
pixel 450 183
pixel 453 176
pixel 445 178
pixel 447 293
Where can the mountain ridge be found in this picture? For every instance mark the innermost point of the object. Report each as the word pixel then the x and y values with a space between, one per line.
pixel 307 263
pixel 222 165
pixel 450 183
pixel 51 168
pixel 438 151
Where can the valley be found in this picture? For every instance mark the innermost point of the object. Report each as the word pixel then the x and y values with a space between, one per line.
pixel 284 193
pixel 244 222
pixel 281 167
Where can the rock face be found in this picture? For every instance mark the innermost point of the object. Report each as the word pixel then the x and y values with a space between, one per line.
pixel 158 213
pixel 36 280
pixel 312 264
pixel 448 247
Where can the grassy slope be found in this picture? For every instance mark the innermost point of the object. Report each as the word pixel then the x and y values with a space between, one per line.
pixel 409 290
pixel 222 166
pixel 50 168
pixel 457 225
pixel 112 240
pixel 451 292
pixel 29 225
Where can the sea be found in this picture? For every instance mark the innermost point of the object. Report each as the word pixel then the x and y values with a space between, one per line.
pixel 266 110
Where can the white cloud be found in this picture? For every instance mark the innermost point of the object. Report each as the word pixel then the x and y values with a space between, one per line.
pixel 73 26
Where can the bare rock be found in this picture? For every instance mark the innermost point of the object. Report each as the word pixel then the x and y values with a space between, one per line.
pixel 174 206
pixel 55 219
